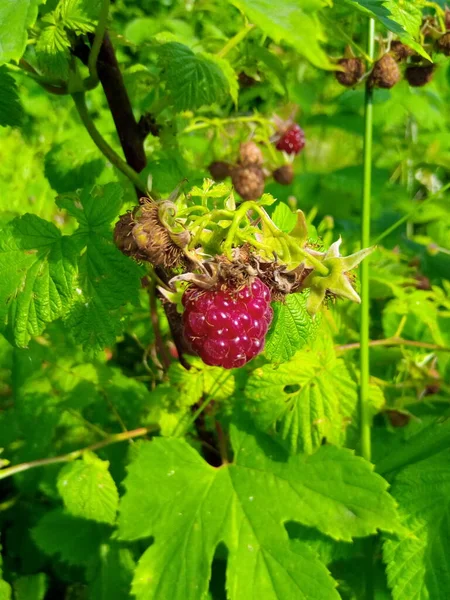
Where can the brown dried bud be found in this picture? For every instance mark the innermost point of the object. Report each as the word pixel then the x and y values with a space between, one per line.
pixel 219 170
pixel 447 18
pixel 397 418
pixel 250 155
pixel 417 76
pixel 141 235
pixel 123 237
pixel 284 175
pixel 385 73
pixel 400 51
pixel 354 69
pixel 246 81
pixel 160 246
pixel 443 44
pixel 248 182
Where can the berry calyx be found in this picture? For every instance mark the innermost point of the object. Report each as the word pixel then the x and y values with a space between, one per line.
pixel 292 141
pixel 400 51
pixel 248 181
pixel 353 70
pixel 443 44
pixel 250 155
pixel 227 326
pixel 385 73
pixel 284 175
pixel 418 76
pixel 219 170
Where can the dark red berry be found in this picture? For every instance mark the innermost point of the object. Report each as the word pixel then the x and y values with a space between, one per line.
pixel 227 327
pixel 284 175
pixel 292 140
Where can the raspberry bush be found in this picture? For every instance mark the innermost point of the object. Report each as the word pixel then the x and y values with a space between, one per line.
pixel 224 300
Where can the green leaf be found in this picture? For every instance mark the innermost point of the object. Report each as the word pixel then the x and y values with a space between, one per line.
pixel 30 587
pixel 108 279
pixel 38 268
pixel 307 399
pixel 5 588
pixel 186 387
pixel 94 208
pixel 72 540
pixel 11 111
pixel 244 505
pixel 15 17
pixel 428 441
pixel 195 80
pixel 284 218
pixel 88 490
pixel 417 564
pixel 295 22
pixel 292 327
pixel 402 18
pixel 114 574
pixel 69 166
pixel 52 50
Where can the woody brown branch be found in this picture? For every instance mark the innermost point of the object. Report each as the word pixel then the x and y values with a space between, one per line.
pixel 132 141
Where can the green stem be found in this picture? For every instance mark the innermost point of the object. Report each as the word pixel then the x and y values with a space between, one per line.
pixel 365 418
pixel 394 341
pixel 112 439
pixel 102 145
pixel 241 214
pixel 235 40
pixel 92 80
pixel 53 86
pixel 408 215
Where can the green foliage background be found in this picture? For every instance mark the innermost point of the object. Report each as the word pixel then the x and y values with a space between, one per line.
pixel 262 494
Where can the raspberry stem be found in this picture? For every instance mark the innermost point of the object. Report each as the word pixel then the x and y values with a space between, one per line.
pixel 241 214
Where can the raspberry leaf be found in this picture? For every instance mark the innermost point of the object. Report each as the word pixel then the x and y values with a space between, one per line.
pixel 309 398
pixel 195 80
pixel 114 574
pixel 38 268
pixel 198 506
pixel 72 540
pixel 403 20
pixel 294 22
pixel 5 588
pixel 11 111
pixel 291 328
pixel 69 167
pixel 107 279
pixel 30 587
pixel 414 559
pixel 15 17
pixel 88 490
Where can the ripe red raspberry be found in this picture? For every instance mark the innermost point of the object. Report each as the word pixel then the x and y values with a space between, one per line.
pixel 292 140
pixel 227 327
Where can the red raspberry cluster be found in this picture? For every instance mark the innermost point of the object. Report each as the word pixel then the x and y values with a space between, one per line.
pixel 227 327
pixel 292 140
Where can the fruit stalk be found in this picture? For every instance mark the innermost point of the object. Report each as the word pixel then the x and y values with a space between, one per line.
pixel 365 418
pixel 92 80
pixel 102 145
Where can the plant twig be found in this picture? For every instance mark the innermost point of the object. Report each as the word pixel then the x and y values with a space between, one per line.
pixel 235 40
pixel 102 144
pixel 112 439
pixel 223 446
pixel 409 214
pixel 393 341
pixel 365 416
pixel 161 347
pixel 92 80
